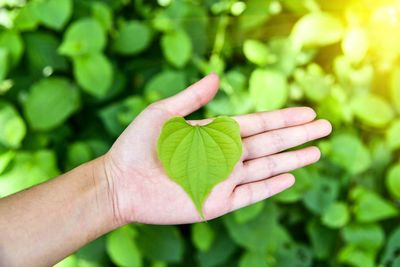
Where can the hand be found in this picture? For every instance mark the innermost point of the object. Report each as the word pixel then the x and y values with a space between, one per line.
pixel 142 192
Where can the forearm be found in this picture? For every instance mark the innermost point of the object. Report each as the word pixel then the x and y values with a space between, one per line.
pixel 44 224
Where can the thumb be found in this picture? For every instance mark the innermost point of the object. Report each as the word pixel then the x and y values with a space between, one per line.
pixel 193 97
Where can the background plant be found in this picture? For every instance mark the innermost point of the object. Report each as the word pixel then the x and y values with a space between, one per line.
pixel 73 74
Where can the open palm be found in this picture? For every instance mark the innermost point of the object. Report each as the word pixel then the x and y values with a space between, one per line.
pixel 142 192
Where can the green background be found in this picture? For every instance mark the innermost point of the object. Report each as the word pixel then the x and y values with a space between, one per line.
pixel 73 74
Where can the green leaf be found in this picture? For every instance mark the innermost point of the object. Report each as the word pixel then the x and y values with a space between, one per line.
pixel 371 207
pixel 28 169
pixel 356 257
pixel 292 254
pixel 133 37
pixel 54 13
pixel 78 153
pixel 202 236
pixel 13 128
pixel 251 259
pixel 50 102
pixel 177 48
pixel 3 63
pixel 255 14
pixel 348 151
pixel 258 53
pixel 252 234
pixel 161 243
pixel 117 116
pixel 27 17
pixel 41 50
pixel 165 84
pixel 268 89
pixel 122 249
pixel 82 37
pixel 248 213
pixel 393 181
pixel 199 157
pixel 391 252
pixel 323 239
pixel 6 156
pixel 323 193
pixel 12 42
pixel 392 135
pixel 94 73
pixel 317 29
pixel 336 215
pixel 367 236
pixel 70 261
pixel 372 110
pixel 103 14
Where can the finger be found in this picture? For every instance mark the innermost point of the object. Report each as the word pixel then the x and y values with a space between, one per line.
pixel 262 168
pixel 247 194
pixel 278 140
pixel 256 123
pixel 192 98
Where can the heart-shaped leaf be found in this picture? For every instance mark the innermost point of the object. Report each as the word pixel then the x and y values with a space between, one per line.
pixel 199 157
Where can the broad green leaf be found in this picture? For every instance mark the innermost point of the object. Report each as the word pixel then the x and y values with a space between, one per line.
pixel 122 249
pixel 94 73
pixel 350 153
pixel 78 153
pixel 292 254
pixel 28 169
pixel 371 207
pixel 54 13
pixel 323 239
pixel 355 44
pixel 3 63
pixel 12 42
pixel 255 14
pixel 13 129
pixel 395 88
pixel 251 259
pixel 372 110
pixel 367 236
pixel 202 236
pixel 248 213
pixel 393 181
pixel 221 250
pixel 133 37
pixel 356 257
pixel 6 156
pixel 317 29
pixel 160 243
pixel 258 53
pixel 82 37
pixel 304 178
pixel 117 116
pixel 50 102
pixel 165 84
pixel 321 195
pixel 391 252
pixel 41 50
pixel 70 261
pixel 177 48
pixel 315 84
pixel 199 157
pixel 27 18
pixel 103 14
pixel 392 135
pixel 336 215
pixel 252 234
pixel 268 89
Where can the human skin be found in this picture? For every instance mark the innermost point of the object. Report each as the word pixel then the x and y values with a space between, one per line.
pixel 42 225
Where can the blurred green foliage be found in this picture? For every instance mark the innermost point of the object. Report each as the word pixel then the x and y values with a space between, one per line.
pixel 74 73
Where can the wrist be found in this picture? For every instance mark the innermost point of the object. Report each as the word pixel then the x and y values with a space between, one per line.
pixel 105 192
